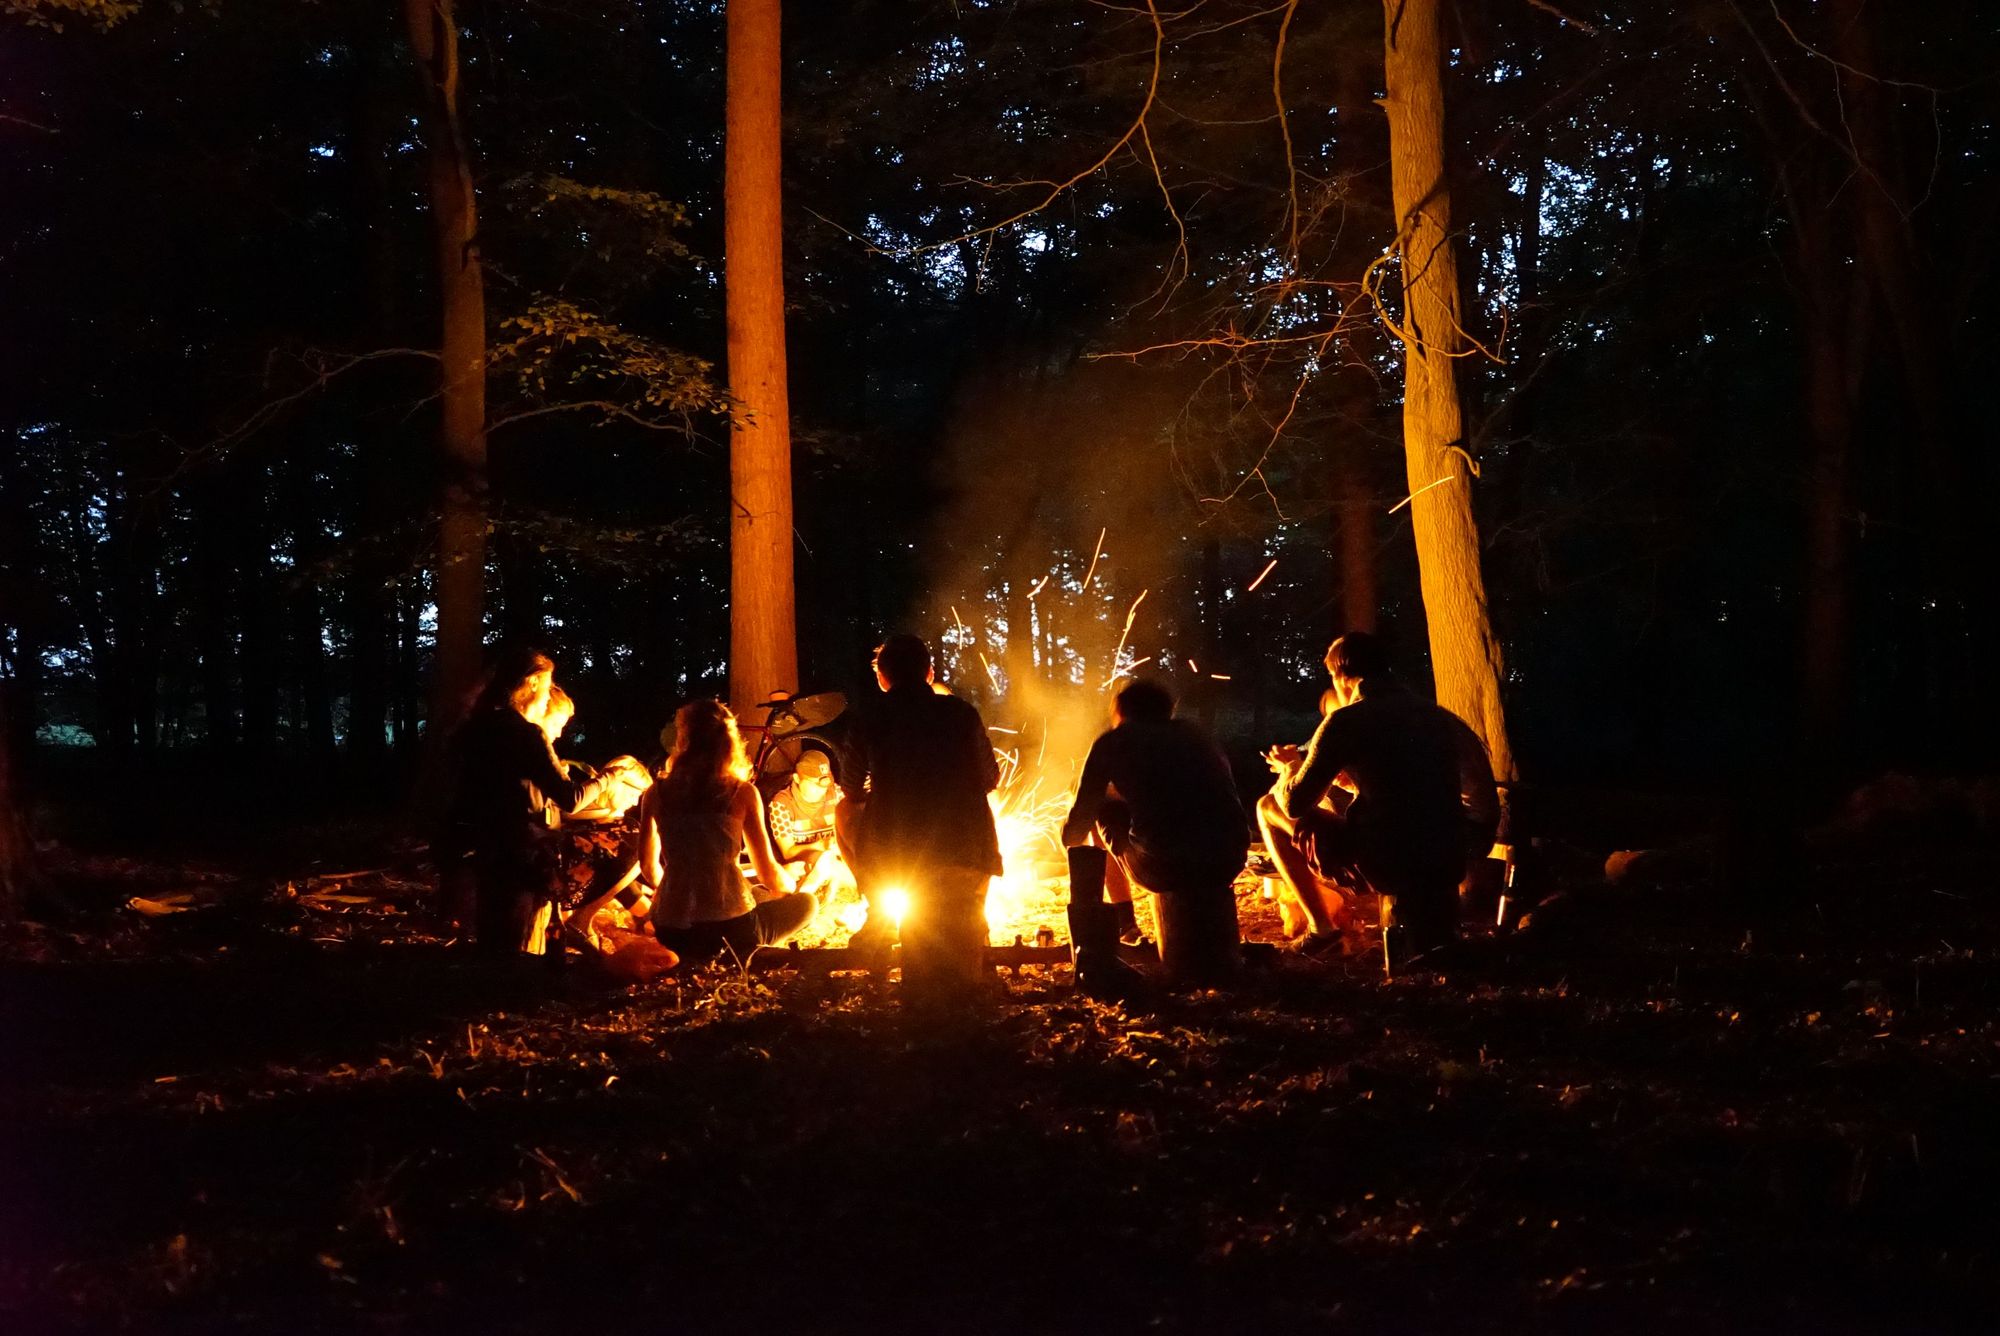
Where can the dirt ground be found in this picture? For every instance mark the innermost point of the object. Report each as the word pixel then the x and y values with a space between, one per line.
pixel 273 1108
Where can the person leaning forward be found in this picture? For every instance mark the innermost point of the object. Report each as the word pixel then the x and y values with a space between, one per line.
pixel 509 790
pixel 1159 794
pixel 1424 801
pixel 914 816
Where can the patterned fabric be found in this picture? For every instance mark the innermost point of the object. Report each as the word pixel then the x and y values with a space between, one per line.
pixel 592 850
pixel 794 826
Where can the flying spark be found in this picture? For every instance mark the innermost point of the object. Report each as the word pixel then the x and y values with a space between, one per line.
pixel 1124 635
pixel 1094 556
pixel 1260 576
pixel 1420 491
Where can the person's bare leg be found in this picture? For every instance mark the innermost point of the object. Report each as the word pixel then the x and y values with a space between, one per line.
pixel 577 923
pixel 1117 881
pixel 1319 902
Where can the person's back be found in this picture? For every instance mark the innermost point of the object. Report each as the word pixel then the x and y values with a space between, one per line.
pixel 1402 754
pixel 927 767
pixel 1182 798
pixel 496 799
pixel 699 836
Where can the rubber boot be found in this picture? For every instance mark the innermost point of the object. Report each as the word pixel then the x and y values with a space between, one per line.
pixel 1093 932
pixel 1415 926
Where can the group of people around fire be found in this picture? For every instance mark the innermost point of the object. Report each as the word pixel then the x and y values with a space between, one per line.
pixel 1392 795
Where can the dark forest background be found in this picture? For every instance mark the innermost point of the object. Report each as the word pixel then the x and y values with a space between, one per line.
pixel 1734 257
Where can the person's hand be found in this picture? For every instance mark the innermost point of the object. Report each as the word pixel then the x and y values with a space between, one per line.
pixel 1283 758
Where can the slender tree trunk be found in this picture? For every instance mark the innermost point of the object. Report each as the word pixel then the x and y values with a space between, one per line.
pixel 763 641
pixel 1920 320
pixel 249 505
pixel 214 613
pixel 1836 331
pixel 15 850
pixel 371 603
pixel 461 563
pixel 1465 655
pixel 1019 660
pixel 1359 596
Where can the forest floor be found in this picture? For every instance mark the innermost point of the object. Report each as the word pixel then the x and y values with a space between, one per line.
pixel 281 1110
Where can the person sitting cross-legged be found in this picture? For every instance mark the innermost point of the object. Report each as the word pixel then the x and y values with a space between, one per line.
pixel 1423 803
pixel 692 826
pixel 802 821
pixel 1157 792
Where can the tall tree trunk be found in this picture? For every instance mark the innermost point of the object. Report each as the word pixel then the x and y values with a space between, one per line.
pixel 371 603
pixel 1465 655
pixel 1920 321
pixel 763 640
pixel 1018 659
pixel 15 849
pixel 461 563
pixel 305 600
pixel 256 598
pixel 1836 318
pixel 214 612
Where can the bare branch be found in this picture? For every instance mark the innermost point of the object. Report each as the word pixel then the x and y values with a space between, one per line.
pixel 1058 188
pixel 1570 19
pixel 1285 129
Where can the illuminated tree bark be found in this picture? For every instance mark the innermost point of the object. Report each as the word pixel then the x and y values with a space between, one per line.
pixel 461 571
pixel 763 644
pixel 1465 656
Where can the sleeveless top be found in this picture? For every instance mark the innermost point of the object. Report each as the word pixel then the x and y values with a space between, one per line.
pixel 702 881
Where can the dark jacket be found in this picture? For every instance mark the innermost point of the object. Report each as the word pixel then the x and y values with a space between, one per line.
pixel 510 788
pixel 1176 783
pixel 924 765
pixel 1423 783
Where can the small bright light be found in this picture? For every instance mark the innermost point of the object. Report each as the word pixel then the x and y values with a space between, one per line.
pixel 895 903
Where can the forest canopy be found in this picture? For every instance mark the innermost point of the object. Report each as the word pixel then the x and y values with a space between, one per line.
pixel 1054 269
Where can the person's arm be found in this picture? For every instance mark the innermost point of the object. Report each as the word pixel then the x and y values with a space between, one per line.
pixel 785 828
pixel 545 772
pixel 1476 789
pixel 1301 791
pixel 652 863
pixel 757 839
pixel 1081 823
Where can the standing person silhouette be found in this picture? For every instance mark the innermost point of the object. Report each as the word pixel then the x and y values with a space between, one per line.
pixel 914 817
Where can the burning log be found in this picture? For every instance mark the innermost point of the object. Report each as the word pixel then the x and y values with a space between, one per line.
pixel 827 959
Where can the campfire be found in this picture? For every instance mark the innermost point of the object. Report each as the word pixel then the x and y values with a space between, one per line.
pixel 1029 897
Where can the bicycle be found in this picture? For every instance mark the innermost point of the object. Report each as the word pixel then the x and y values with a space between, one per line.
pixel 792 724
